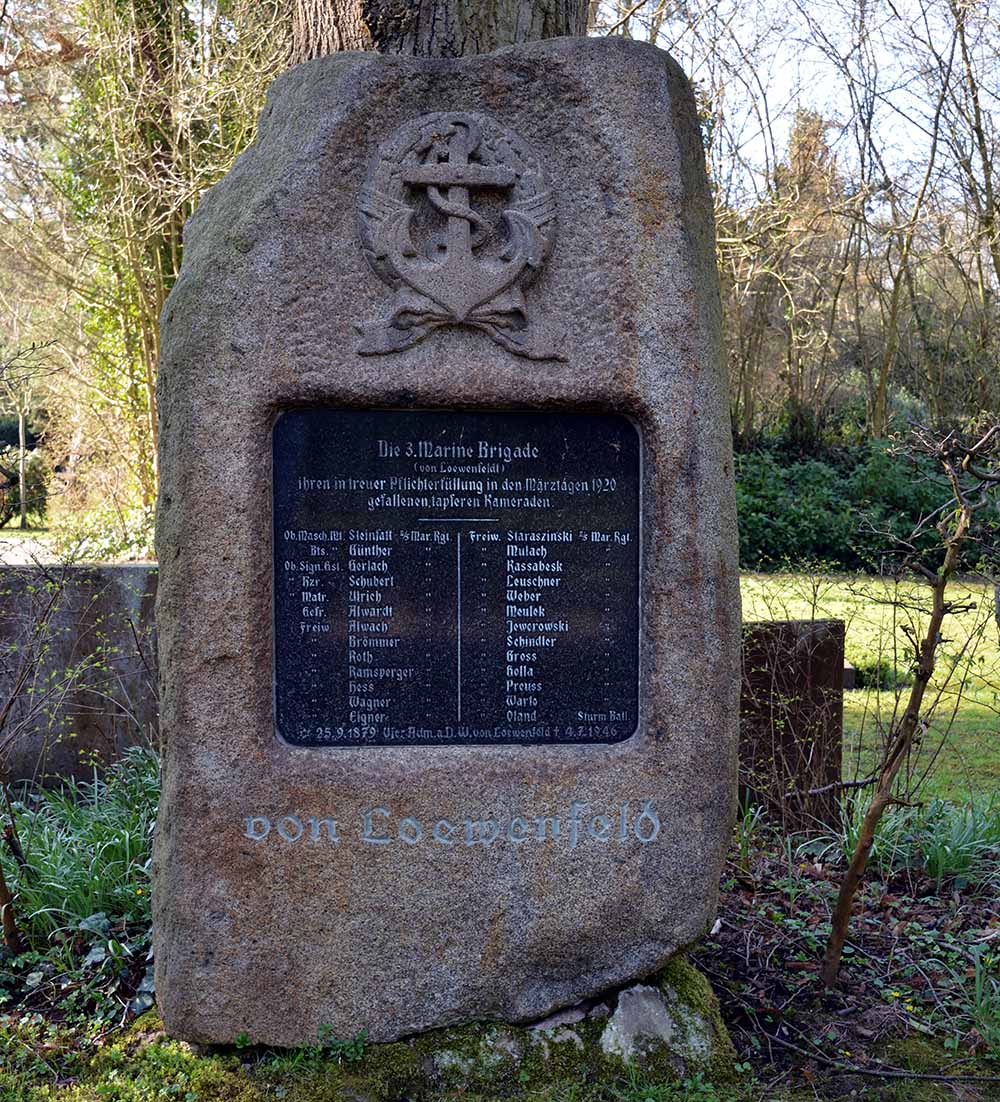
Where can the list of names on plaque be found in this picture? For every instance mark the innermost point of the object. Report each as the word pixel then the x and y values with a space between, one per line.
pixel 465 578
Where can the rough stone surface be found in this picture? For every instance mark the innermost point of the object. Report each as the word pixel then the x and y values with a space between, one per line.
pixel 87 637
pixel 570 1016
pixel 641 1022
pixel 277 938
pixel 654 1025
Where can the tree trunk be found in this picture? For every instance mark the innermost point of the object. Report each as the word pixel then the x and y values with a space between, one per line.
pixel 429 28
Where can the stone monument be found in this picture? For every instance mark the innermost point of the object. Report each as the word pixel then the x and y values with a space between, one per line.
pixel 448 610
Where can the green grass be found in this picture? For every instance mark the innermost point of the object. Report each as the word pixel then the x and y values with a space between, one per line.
pixel 87 850
pixel 959 754
pixel 81 895
pixel 949 843
pixel 37 529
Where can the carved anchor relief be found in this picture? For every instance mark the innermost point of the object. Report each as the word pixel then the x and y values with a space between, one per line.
pixel 447 262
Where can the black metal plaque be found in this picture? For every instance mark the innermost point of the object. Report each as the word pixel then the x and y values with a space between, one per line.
pixel 466 578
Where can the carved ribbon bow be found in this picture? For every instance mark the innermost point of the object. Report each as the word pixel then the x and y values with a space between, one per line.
pixel 503 319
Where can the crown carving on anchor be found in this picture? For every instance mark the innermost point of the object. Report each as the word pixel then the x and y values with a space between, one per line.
pixel 426 229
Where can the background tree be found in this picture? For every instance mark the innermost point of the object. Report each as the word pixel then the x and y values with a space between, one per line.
pixel 114 119
pixel 901 316
pixel 429 28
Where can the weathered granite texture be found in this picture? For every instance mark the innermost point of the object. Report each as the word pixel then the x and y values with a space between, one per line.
pixel 78 664
pixel 274 938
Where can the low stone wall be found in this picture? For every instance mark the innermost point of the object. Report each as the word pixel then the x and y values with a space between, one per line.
pixel 77 667
pixel 792 719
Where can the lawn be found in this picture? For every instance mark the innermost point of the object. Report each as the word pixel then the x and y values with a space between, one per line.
pixel 959 754
pixel 36 530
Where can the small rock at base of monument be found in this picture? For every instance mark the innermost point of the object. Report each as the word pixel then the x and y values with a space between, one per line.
pixel 672 1025
pixel 448 605
pixel 668 1026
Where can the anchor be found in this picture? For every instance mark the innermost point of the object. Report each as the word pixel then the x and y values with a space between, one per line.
pixel 456 280
pixel 452 282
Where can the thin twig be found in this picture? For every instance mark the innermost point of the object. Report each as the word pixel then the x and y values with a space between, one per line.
pixel 882 1073
pixel 626 17
pixel 840 785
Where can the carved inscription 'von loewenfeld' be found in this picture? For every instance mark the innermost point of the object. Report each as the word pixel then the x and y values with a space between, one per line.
pixel 449 262
pixel 583 823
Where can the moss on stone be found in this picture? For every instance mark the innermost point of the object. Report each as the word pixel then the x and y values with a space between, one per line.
pixel 693 998
pixel 161 1070
pixel 393 1072
pixel 565 1056
pixel 480 1061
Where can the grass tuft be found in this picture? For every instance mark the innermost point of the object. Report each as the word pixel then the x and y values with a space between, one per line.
pixel 941 840
pixel 87 851
pixel 81 897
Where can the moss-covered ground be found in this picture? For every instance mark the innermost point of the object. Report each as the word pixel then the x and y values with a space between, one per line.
pixel 141 1064
pixel 920 994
